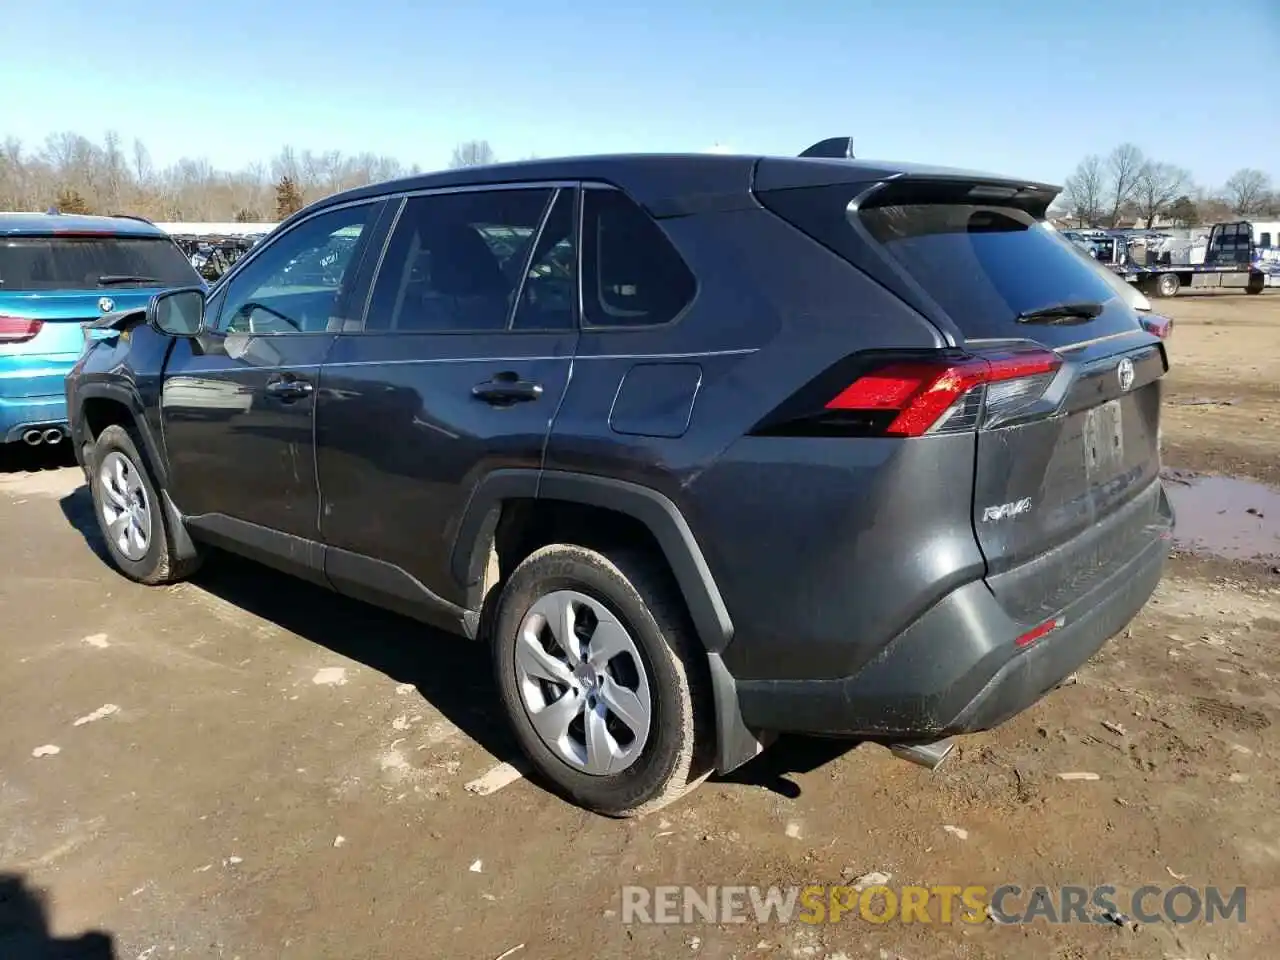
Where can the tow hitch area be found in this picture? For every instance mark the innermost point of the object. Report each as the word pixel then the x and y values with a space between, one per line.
pixel 927 755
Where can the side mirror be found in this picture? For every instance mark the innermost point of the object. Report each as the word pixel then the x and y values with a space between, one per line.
pixel 179 313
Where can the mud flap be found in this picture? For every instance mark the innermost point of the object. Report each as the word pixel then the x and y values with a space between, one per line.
pixel 735 742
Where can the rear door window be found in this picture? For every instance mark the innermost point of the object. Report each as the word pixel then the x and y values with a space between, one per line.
pixel 90 262
pixel 456 261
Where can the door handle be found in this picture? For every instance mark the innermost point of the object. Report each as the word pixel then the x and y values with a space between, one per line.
pixel 506 388
pixel 289 389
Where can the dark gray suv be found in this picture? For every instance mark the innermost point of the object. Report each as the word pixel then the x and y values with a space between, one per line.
pixel 705 447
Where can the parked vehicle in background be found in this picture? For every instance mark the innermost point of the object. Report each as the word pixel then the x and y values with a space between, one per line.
pixel 1232 260
pixel 704 447
pixel 57 271
pixel 213 248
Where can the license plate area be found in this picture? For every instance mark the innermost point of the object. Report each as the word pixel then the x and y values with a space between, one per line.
pixel 1103 440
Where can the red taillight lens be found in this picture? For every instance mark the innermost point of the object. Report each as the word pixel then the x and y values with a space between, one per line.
pixel 18 329
pixel 948 396
pixel 1162 327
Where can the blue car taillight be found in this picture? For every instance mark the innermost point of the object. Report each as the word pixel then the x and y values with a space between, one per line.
pixel 18 329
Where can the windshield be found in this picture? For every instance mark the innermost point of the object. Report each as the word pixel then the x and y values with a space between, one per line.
pixel 87 263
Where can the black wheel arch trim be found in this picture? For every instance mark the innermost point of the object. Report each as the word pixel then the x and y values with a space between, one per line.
pixel 735 742
pixel 127 398
pixel 182 546
pixel 662 518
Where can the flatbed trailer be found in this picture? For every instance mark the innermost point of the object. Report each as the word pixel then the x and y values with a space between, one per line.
pixel 1231 262
pixel 1167 279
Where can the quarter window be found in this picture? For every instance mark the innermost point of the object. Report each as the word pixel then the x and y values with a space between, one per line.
pixel 456 260
pixel 293 285
pixel 632 275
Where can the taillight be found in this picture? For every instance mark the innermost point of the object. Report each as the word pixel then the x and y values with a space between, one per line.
pixel 950 397
pixel 1162 327
pixel 18 329
pixel 918 395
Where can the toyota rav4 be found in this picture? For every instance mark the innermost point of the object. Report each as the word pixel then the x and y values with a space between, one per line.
pixel 705 447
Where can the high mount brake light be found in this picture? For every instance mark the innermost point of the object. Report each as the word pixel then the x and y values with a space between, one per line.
pixel 18 329
pixel 944 396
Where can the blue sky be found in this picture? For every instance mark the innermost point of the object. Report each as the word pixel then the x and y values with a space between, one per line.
pixel 1024 88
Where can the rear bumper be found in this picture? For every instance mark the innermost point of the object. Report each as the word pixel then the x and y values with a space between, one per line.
pixel 33 392
pixel 19 414
pixel 957 669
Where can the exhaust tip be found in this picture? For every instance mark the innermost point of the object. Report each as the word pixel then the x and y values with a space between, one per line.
pixel 32 438
pixel 927 755
pixel 53 435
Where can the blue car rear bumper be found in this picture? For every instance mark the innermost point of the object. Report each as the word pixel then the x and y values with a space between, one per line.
pixel 17 415
pixel 32 394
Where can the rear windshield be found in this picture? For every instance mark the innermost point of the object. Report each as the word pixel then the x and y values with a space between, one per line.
pixel 86 263
pixel 984 265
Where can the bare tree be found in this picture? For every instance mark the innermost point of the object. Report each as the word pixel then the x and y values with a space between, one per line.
pixel 472 153
pixel 141 163
pixel 1246 191
pixel 1083 191
pixel 1157 187
pixel 1124 166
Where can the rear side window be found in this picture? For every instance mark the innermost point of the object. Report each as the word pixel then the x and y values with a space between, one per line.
pixel 86 263
pixel 984 265
pixel 631 274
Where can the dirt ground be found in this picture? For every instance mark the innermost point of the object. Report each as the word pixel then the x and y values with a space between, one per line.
pixel 249 767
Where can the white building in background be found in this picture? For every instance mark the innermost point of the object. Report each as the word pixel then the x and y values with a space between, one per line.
pixel 1266 233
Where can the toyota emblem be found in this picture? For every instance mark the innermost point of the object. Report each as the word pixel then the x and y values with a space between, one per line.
pixel 1125 373
pixel 106 304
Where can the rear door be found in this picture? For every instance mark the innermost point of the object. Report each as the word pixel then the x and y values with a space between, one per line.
pixel 1073 447
pixel 465 353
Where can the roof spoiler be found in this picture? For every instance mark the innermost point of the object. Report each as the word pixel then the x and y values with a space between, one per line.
pixel 834 148
pixel 132 216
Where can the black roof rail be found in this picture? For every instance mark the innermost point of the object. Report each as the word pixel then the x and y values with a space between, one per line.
pixel 834 148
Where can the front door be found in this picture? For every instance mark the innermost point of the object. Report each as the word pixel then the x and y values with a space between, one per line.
pixel 238 403
pixel 459 370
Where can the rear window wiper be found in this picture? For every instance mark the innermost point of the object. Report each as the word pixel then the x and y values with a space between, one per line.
pixel 113 278
pixel 1077 312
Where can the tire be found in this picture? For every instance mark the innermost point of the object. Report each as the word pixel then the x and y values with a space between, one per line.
pixel 1256 285
pixel 1167 285
pixel 638 594
pixel 114 451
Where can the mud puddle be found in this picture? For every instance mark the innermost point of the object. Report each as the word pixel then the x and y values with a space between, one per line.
pixel 1225 516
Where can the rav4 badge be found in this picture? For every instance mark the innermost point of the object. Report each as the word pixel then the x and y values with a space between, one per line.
pixel 1006 510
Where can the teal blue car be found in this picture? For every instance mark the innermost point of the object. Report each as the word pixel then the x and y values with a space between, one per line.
pixel 56 272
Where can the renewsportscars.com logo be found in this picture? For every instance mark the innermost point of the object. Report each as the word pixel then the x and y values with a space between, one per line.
pixel 945 904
